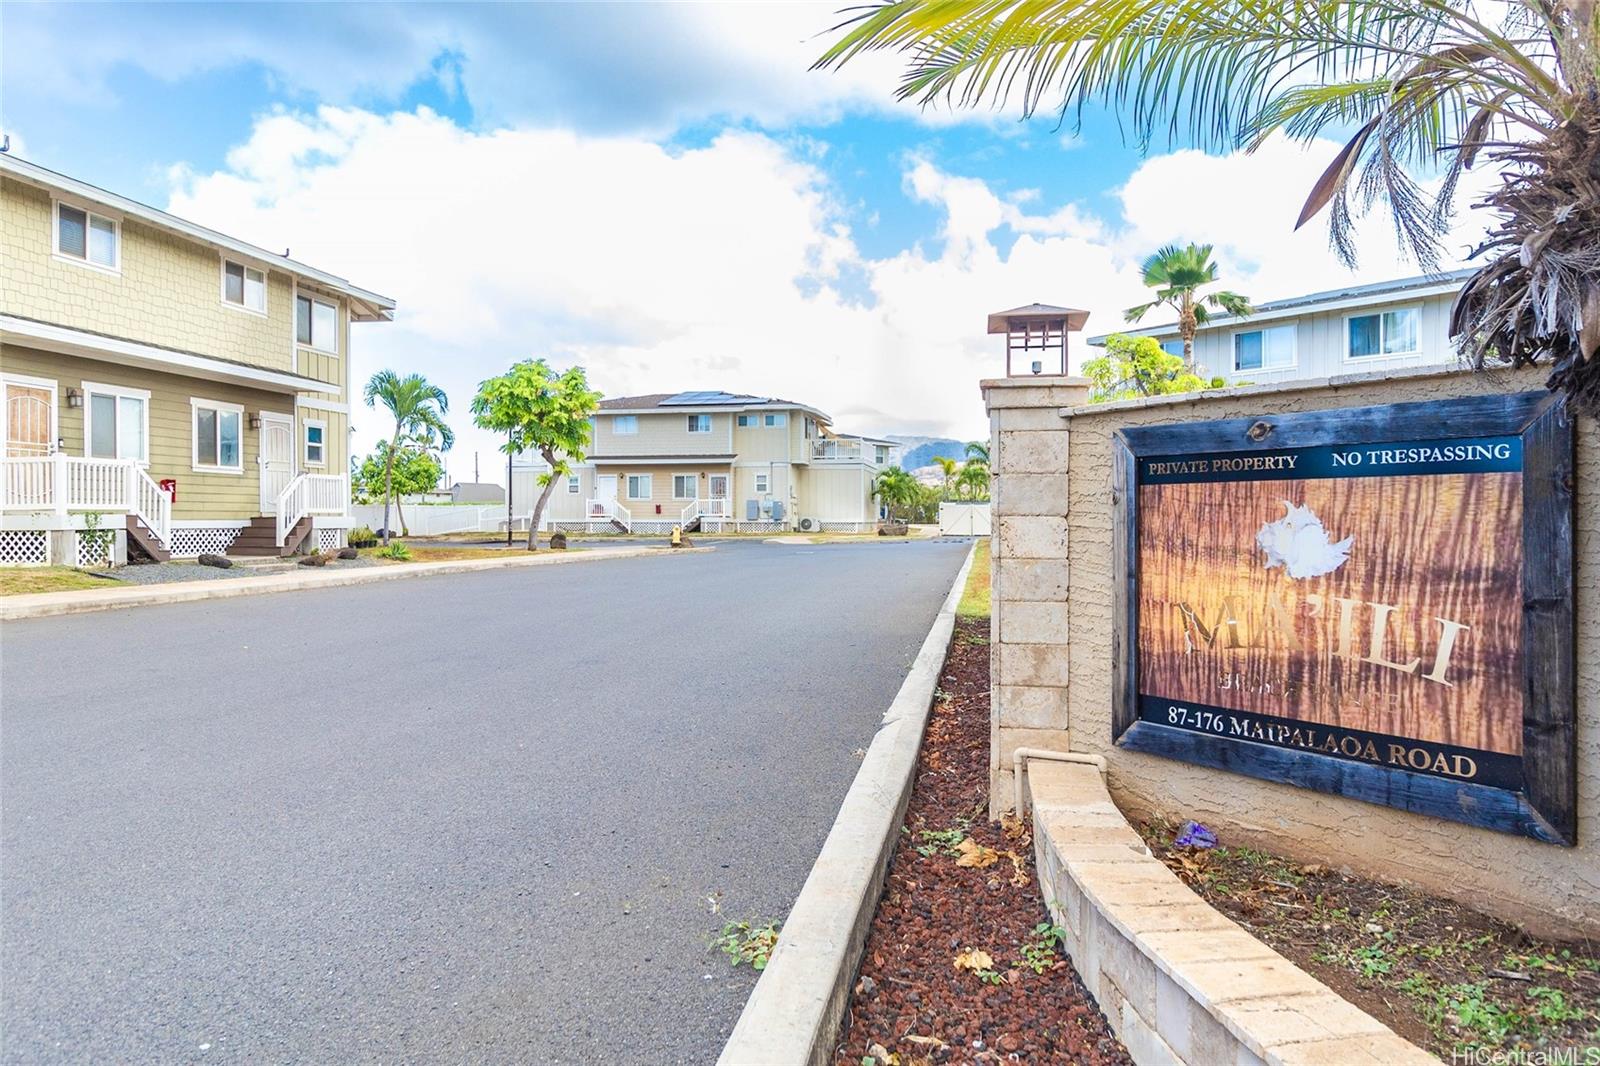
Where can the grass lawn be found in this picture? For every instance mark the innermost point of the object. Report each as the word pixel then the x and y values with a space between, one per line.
pixel 975 598
pixel 422 553
pixel 23 581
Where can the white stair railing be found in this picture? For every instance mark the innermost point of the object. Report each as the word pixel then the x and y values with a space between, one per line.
pixel 689 514
pixel 291 506
pixel 602 510
pixel 151 504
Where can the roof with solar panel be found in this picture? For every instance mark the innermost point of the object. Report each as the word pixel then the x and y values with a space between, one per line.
pixel 701 399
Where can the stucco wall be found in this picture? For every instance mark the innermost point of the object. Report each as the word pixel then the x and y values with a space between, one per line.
pixel 1547 887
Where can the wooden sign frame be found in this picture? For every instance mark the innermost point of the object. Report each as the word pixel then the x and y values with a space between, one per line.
pixel 1546 806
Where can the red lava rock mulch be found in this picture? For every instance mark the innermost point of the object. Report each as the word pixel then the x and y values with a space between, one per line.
pixel 912 1004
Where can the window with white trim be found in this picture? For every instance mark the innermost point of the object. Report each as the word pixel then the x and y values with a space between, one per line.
pixel 699 423
pixel 624 425
pixel 881 454
pixel 685 486
pixel 763 483
pixel 316 323
pixel 1270 348
pixel 638 486
pixel 1173 347
pixel 218 437
pixel 88 237
pixel 116 422
pixel 775 420
pixel 573 484
pixel 1383 333
pixel 746 421
pixel 316 450
pixel 244 286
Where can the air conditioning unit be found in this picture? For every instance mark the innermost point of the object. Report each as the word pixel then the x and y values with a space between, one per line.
pixel 809 525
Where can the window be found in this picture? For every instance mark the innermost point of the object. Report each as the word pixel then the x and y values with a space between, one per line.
pixel 217 436
pixel 699 423
pixel 624 425
pixel 778 419
pixel 316 442
pixel 811 427
pixel 316 323
pixel 1271 348
pixel 1174 347
pixel 1383 333
pixel 244 287
pixel 638 486
pixel 882 454
pixel 763 484
pixel 746 421
pixel 87 237
pixel 685 486
pixel 573 485
pixel 116 422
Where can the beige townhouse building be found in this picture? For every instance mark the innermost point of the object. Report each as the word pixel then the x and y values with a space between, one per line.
pixel 718 462
pixel 187 390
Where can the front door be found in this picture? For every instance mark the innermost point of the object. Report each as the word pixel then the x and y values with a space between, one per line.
pixel 30 419
pixel 605 488
pixel 717 486
pixel 276 458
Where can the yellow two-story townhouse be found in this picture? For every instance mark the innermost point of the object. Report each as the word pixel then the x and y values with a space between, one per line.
pixel 715 461
pixel 188 391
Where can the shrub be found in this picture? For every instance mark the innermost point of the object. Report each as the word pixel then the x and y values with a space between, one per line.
pixel 395 550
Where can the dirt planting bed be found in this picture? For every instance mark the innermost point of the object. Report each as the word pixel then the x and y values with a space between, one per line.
pixel 1438 973
pixel 961 963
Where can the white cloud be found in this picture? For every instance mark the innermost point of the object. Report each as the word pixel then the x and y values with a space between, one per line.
pixel 727 266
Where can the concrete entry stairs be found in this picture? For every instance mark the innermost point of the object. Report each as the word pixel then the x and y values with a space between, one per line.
pixel 260 537
pixel 143 545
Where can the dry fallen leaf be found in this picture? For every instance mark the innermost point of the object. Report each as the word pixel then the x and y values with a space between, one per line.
pixel 1019 878
pixel 883 1055
pixel 975 854
pixel 974 959
pixel 931 1041
pixel 1015 829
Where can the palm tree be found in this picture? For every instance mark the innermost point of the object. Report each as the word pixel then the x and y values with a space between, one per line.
pixel 974 480
pixel 418 408
pixel 1178 274
pixel 978 450
pixel 895 488
pixel 1428 86
pixel 948 468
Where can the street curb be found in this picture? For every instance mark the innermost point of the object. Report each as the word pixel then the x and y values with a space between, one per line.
pixel 794 1013
pixel 53 604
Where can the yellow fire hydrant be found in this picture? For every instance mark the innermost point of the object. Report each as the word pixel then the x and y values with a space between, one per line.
pixel 677 536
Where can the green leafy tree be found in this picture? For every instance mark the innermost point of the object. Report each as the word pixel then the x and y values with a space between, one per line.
pixel 412 472
pixel 543 412
pixel 979 450
pixel 973 482
pixel 897 489
pixel 947 468
pixel 1179 276
pixel 925 501
pixel 1138 366
pixel 418 407
pixel 1427 86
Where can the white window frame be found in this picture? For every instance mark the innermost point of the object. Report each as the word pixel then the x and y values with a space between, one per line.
pixel 119 392
pixel 294 322
pixel 90 213
pixel 748 421
pixel 647 480
pixel 694 489
pixel 695 423
pixel 619 421
pixel 763 485
pixel 305 442
pixel 221 407
pixel 1380 355
pixel 244 305
pixel 1178 343
pixel 775 420
pixel 1233 349
pixel 574 484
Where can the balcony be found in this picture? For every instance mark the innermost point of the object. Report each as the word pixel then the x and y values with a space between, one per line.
pixel 835 450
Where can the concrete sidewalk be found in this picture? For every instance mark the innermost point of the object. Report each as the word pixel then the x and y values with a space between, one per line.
pixel 47 604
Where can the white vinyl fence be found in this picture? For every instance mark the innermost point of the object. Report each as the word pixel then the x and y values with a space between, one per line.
pixel 964 519
pixel 432 520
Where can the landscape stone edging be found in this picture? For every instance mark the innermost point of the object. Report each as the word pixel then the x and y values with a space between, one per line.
pixel 1179 981
pixel 794 1012
pixel 51 604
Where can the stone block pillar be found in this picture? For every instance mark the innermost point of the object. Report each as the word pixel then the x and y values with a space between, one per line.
pixel 1028 620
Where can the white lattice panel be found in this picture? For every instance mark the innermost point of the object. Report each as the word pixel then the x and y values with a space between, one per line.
pixel 93 551
pixel 570 527
pixel 846 527
pixel 653 526
pixel 330 539
pixel 24 547
pixel 190 541
pixel 761 527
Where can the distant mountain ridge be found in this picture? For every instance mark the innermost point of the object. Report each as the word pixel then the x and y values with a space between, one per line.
pixel 921 451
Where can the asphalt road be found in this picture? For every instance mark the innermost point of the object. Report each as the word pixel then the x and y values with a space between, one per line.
pixel 466 818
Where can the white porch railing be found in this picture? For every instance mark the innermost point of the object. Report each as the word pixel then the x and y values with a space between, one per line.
pixel 63 483
pixel 598 510
pixel 310 494
pixel 717 507
pixel 830 448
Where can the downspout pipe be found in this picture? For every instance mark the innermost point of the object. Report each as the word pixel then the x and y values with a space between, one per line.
pixel 1019 766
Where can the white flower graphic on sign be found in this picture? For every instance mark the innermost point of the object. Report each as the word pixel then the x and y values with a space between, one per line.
pixel 1299 543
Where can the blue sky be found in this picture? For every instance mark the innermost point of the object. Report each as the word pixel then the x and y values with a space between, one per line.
pixel 685 205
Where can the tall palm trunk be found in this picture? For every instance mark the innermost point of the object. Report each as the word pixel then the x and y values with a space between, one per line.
pixel 388 482
pixel 400 515
pixel 1188 325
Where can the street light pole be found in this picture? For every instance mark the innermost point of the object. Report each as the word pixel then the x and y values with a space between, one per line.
pixel 508 498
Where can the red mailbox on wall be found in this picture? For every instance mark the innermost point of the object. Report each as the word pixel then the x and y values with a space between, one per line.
pixel 169 485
